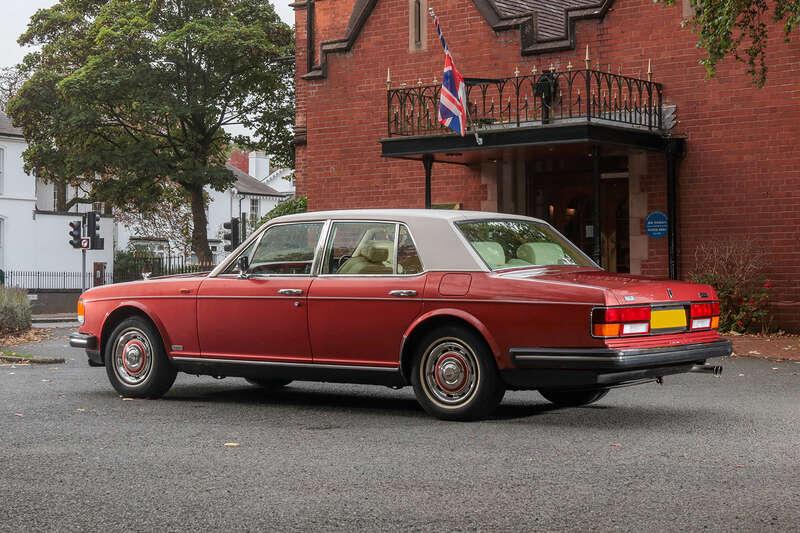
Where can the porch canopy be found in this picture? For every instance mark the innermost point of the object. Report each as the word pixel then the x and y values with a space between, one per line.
pixel 525 114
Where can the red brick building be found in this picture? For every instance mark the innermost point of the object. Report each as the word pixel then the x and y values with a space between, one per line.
pixel 641 130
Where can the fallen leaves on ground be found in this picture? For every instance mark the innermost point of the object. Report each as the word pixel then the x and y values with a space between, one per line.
pixel 26 337
pixel 775 346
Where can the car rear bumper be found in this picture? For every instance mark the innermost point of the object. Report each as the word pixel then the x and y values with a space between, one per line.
pixel 88 343
pixel 566 367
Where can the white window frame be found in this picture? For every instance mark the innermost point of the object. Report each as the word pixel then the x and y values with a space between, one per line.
pixel 2 169
pixel 2 241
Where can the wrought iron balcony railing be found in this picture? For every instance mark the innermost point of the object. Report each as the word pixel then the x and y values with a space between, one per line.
pixel 549 97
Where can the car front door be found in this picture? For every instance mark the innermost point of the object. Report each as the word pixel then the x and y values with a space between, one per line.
pixel 367 294
pixel 261 314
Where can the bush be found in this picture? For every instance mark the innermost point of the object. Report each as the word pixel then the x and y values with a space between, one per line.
pixel 298 204
pixel 734 267
pixel 15 311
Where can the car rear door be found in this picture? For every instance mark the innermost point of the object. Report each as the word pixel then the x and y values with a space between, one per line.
pixel 367 294
pixel 262 315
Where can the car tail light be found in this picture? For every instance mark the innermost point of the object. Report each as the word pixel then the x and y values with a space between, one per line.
pixel 620 321
pixel 81 312
pixel 704 315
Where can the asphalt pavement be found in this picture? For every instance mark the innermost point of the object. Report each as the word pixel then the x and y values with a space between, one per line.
pixel 698 453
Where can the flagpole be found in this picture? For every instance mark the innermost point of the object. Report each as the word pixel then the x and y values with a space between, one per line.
pixel 478 138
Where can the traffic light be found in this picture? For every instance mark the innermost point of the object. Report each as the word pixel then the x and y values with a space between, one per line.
pixel 92 223
pixel 75 234
pixel 231 235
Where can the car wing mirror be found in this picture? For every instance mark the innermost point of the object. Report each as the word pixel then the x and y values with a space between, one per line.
pixel 243 264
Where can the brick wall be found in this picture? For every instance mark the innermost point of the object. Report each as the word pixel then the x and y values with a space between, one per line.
pixel 741 175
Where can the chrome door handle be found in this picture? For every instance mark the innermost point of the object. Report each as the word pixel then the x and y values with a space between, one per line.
pixel 403 293
pixel 290 292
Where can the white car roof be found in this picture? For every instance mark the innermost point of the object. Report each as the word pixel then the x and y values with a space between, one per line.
pixel 439 243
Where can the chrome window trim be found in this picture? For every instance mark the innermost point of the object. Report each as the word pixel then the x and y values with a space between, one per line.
pixel 258 235
pixel 396 239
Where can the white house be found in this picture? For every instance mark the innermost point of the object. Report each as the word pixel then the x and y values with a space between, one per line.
pixel 252 196
pixel 35 216
pixel 34 221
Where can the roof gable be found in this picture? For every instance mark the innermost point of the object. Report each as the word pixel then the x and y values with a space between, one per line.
pixel 545 25
pixel 247 184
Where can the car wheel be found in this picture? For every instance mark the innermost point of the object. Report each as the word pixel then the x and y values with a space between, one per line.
pixel 269 384
pixel 572 398
pixel 136 363
pixel 454 375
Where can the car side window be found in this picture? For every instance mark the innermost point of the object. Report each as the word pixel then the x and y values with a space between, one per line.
pixel 360 248
pixel 287 249
pixel 233 268
pixel 408 261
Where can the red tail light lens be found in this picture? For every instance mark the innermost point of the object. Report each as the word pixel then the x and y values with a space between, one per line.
pixel 610 315
pixel 620 321
pixel 704 315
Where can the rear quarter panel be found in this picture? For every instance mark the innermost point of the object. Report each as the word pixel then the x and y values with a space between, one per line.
pixel 520 313
pixel 170 303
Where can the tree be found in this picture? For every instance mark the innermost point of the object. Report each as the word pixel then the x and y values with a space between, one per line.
pixel 132 96
pixel 298 204
pixel 171 219
pixel 11 79
pixel 740 28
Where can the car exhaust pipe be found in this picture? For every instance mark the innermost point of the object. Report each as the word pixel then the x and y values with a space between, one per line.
pixel 707 369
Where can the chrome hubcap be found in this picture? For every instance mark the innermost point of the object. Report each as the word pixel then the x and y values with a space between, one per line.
pixel 133 356
pixel 450 372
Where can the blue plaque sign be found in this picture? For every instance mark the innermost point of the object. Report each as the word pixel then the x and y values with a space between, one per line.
pixel 656 224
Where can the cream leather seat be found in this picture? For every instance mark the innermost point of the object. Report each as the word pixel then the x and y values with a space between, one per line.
pixel 369 260
pixel 491 252
pixel 541 253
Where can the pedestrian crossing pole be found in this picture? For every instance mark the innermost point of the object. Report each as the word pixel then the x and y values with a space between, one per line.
pixel 83 270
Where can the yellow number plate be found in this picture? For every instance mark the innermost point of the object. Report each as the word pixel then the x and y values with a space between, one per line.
pixel 668 318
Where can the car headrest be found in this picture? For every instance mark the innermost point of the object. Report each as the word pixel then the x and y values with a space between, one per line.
pixel 541 253
pixel 491 252
pixel 375 252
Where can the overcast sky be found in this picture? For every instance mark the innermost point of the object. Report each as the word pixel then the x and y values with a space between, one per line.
pixel 16 13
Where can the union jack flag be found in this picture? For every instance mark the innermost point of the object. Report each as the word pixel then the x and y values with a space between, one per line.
pixel 453 96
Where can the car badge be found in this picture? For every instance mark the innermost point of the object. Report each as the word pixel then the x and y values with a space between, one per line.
pixel 669 293
pixel 630 298
pixel 703 295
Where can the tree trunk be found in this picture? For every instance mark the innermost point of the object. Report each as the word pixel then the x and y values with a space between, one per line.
pixel 200 230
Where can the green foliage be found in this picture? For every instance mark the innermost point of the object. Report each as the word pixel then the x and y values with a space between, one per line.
pixel 739 28
pixel 131 97
pixel 734 268
pixel 15 310
pixel 298 204
pixel 11 79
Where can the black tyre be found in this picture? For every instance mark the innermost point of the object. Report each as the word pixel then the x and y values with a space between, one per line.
pixel 572 398
pixel 269 384
pixel 454 375
pixel 136 363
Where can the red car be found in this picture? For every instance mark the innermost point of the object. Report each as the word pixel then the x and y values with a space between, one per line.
pixel 460 305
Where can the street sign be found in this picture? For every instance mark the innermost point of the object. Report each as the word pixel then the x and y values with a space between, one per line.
pixel 656 224
pixel 86 243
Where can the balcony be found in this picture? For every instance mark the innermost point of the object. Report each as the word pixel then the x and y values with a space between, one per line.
pixel 539 99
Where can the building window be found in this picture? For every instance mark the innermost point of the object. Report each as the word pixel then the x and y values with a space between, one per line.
pixel 2 167
pixel 254 208
pixel 417 24
pixel 1 243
